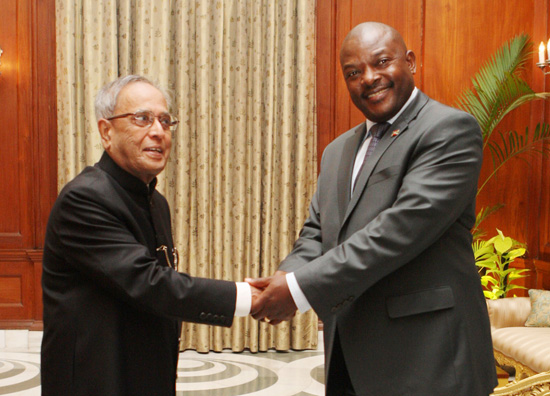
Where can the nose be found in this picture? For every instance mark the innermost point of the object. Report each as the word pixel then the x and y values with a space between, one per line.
pixel 369 76
pixel 156 128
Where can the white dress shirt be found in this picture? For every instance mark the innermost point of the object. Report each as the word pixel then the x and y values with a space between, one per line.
pixel 244 299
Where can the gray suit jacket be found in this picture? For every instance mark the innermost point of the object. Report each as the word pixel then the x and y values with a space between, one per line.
pixel 392 267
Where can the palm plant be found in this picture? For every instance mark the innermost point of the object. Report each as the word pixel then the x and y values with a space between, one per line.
pixel 498 88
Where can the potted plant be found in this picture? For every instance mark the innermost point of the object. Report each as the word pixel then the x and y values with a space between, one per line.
pixel 493 258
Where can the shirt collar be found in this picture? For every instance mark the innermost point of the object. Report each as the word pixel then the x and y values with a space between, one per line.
pixel 392 120
pixel 128 181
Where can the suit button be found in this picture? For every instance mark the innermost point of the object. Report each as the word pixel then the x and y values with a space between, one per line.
pixel 202 316
pixel 333 309
pixel 216 318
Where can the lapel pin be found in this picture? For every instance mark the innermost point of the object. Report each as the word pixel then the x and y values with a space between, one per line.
pixel 395 133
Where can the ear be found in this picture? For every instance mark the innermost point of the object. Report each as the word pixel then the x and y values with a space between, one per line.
pixel 105 130
pixel 410 57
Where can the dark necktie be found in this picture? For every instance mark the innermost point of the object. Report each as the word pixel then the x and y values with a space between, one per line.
pixel 376 131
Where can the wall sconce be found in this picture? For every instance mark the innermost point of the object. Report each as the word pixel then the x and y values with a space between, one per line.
pixel 544 60
pixel 1 59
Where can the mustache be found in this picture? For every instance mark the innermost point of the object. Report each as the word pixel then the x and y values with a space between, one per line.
pixel 371 89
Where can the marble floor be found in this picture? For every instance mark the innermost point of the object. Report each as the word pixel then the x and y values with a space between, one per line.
pixel 214 374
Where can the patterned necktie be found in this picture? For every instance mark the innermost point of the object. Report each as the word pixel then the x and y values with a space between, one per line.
pixel 376 131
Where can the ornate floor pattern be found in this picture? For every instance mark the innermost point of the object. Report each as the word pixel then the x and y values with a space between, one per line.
pixel 212 374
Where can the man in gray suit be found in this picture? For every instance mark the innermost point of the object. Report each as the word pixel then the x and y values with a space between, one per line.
pixel 385 257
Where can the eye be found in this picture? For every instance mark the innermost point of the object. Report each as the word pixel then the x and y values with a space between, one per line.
pixel 352 73
pixel 144 118
pixel 165 120
pixel 383 62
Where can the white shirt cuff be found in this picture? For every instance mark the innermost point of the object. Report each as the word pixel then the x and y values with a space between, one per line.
pixel 297 294
pixel 244 299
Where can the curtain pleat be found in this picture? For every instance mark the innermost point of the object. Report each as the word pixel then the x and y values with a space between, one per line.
pixel 241 74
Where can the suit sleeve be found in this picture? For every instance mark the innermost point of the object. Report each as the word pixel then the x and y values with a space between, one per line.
pixel 309 244
pixel 439 183
pixel 95 238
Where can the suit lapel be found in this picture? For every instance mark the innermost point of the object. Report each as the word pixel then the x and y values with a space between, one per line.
pixel 397 129
pixel 345 169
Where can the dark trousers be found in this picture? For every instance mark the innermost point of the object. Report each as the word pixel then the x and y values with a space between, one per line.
pixel 338 381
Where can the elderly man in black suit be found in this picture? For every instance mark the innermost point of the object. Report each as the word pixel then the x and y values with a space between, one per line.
pixel 113 299
pixel 385 257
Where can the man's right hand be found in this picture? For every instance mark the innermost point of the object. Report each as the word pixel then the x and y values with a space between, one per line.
pixel 275 304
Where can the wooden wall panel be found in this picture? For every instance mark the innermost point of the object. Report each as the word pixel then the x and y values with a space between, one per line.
pixel 454 52
pixel 542 269
pixel 451 40
pixel 28 144
pixel 16 283
pixel 461 35
pixel 544 213
pixel 541 212
pixel 16 120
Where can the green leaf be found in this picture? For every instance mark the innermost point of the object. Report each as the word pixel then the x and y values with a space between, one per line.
pixel 514 254
pixel 481 216
pixel 518 274
pixel 502 245
pixel 490 264
pixel 512 287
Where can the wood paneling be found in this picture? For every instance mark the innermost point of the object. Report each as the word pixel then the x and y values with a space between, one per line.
pixel 454 51
pixel 16 282
pixel 28 144
pixel 542 269
pixel 16 125
pixel 452 39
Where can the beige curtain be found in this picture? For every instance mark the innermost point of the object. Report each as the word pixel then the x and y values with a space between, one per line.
pixel 243 163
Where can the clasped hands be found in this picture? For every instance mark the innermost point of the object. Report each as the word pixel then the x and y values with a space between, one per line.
pixel 271 299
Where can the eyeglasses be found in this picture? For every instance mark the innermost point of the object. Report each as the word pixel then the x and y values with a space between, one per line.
pixel 147 118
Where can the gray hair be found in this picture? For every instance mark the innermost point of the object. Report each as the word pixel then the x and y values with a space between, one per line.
pixel 106 98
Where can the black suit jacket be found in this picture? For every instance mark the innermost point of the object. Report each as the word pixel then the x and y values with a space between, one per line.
pixel 112 304
pixel 391 266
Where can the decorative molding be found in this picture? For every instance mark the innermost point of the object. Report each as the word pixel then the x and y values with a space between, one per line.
pixel 542 269
pixel 11 255
pixel 522 371
pixel 536 385
pixel 32 325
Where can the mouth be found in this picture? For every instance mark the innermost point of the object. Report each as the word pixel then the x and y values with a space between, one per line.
pixel 377 94
pixel 154 151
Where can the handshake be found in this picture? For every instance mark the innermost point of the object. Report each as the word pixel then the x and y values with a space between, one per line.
pixel 272 301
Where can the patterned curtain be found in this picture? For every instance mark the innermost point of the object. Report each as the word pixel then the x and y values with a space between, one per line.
pixel 243 162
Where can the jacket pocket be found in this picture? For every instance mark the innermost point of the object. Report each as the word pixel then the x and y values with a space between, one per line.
pixel 384 174
pixel 420 302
